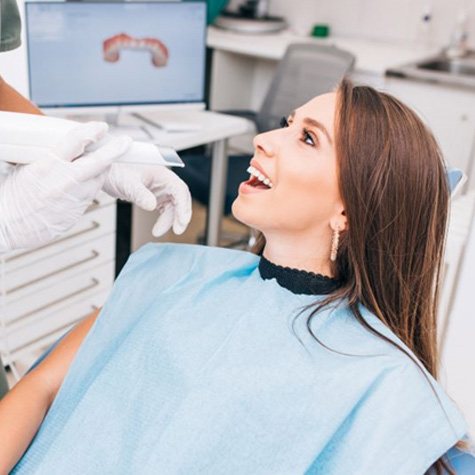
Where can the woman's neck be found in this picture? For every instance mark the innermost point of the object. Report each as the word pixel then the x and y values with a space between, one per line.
pixel 296 254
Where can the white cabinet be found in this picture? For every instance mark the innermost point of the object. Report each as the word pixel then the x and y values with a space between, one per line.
pixel 45 291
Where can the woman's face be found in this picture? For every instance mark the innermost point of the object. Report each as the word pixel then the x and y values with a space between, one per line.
pixel 299 160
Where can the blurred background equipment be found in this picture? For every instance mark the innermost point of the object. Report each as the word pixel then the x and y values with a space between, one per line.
pixel 251 17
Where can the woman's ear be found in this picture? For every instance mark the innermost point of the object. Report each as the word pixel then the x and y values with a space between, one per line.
pixel 339 221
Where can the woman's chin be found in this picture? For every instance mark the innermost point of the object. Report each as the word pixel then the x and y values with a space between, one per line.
pixel 243 212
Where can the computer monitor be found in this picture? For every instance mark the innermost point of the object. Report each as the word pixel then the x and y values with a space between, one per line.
pixel 100 56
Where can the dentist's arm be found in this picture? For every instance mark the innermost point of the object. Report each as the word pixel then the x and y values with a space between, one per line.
pixel 23 408
pixel 12 101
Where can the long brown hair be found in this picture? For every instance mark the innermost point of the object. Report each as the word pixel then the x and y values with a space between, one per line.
pixel 393 185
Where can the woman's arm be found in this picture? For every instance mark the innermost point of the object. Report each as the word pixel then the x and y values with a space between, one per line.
pixel 23 408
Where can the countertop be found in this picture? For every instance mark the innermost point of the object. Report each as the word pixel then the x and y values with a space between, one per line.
pixel 374 57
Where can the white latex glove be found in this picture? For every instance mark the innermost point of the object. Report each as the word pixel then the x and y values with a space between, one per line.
pixel 42 200
pixel 152 188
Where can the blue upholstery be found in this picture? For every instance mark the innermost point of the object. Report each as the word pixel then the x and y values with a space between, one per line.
pixel 463 463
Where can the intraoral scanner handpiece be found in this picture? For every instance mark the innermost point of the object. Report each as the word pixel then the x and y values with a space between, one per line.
pixel 25 138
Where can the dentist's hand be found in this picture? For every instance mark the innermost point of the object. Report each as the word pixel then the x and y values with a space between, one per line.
pixel 152 188
pixel 42 200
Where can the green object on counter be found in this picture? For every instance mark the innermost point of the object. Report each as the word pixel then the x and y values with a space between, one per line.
pixel 10 25
pixel 3 381
pixel 214 8
pixel 321 30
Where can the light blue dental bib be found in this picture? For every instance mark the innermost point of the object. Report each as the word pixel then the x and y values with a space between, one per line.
pixel 192 368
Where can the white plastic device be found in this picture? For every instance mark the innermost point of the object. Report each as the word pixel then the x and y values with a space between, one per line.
pixel 25 138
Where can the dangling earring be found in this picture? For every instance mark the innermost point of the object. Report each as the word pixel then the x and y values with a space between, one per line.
pixel 334 247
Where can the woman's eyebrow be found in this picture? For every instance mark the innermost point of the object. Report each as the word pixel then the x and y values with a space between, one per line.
pixel 315 123
pixel 318 125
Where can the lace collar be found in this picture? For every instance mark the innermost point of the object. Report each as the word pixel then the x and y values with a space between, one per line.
pixel 296 280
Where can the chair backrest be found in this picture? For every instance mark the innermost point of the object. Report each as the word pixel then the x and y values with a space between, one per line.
pixel 463 463
pixel 305 71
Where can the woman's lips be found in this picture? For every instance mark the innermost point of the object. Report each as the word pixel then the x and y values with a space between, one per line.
pixel 246 187
pixel 254 163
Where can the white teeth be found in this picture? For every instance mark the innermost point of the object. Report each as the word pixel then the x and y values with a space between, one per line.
pixel 254 172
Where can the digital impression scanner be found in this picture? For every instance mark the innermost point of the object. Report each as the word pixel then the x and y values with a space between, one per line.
pixel 25 138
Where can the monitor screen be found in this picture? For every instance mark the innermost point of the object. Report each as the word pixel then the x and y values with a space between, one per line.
pixel 84 54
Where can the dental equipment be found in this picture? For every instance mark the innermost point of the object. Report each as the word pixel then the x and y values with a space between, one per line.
pixel 26 138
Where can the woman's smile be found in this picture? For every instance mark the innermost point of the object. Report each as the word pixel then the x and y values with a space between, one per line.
pixel 258 181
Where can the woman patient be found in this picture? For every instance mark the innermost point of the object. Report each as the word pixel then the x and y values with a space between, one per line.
pixel 316 354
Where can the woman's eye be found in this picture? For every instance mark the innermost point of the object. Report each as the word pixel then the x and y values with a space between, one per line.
pixel 308 138
pixel 284 122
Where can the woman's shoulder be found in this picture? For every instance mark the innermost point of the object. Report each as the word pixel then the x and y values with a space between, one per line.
pixel 173 260
pixel 391 372
pixel 364 335
pixel 181 251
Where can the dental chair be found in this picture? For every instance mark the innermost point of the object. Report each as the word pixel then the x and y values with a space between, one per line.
pixel 305 71
pixel 463 463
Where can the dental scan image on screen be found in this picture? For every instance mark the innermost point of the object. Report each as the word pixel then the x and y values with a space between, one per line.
pixel 87 54
pixel 112 47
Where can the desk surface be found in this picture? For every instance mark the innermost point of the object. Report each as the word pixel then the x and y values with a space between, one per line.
pixel 212 127
pixel 371 56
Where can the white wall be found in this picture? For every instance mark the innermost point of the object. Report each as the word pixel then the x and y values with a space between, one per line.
pixel 387 20
pixel 458 358
pixel 390 20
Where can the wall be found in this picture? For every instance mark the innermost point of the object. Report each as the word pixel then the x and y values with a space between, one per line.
pixel 458 356
pixel 387 20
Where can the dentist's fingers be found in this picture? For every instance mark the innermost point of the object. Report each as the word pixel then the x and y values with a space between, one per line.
pixel 181 199
pixel 76 140
pixel 179 227
pixel 183 212
pixel 143 197
pixel 165 219
pixel 96 163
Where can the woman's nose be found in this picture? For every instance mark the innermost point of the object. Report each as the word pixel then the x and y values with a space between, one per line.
pixel 264 144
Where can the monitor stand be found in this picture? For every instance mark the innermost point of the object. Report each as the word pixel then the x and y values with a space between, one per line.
pixel 136 132
pixel 112 118
pixel 169 126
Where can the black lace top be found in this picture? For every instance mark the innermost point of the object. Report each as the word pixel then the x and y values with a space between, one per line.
pixel 296 280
